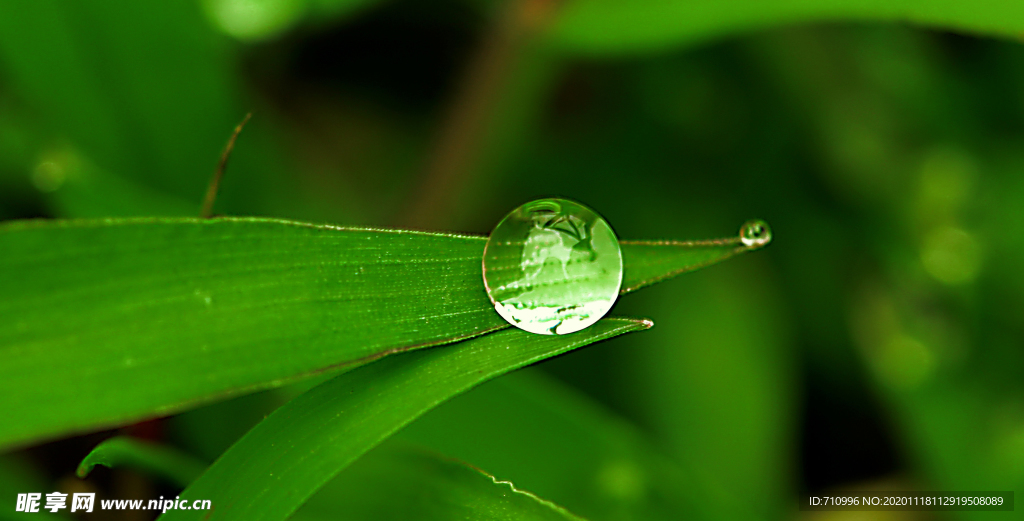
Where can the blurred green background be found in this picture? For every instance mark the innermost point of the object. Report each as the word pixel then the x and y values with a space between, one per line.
pixel 877 343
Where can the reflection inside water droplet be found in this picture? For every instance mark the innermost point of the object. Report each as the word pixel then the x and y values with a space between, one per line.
pixel 552 266
pixel 755 233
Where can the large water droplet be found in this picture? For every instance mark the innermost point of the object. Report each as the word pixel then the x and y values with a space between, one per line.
pixel 755 233
pixel 552 266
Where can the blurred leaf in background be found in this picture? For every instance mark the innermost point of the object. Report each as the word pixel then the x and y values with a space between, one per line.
pixel 425 486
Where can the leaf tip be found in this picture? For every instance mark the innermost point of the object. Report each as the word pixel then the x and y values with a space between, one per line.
pixel 84 468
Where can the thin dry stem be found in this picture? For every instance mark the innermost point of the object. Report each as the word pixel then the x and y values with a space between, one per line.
pixel 211 192
pixel 460 136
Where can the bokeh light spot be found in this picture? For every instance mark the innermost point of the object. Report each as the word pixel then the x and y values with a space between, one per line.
pixel 48 176
pixel 904 362
pixel 621 479
pixel 54 168
pixel 951 255
pixel 254 19
pixel 947 181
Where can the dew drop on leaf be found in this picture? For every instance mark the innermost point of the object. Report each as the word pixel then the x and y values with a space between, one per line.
pixel 755 233
pixel 552 266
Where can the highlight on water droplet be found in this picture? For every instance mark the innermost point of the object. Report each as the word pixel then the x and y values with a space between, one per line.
pixel 755 233
pixel 552 267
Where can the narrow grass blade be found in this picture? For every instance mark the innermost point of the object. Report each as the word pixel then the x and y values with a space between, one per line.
pixel 168 463
pixel 403 481
pixel 279 464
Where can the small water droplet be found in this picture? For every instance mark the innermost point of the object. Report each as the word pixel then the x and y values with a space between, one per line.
pixel 552 266
pixel 755 233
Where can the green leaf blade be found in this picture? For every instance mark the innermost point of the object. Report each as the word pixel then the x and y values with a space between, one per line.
pixel 184 310
pixel 309 440
pixel 651 262
pixel 603 27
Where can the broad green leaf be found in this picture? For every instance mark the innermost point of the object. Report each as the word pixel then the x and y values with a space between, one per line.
pixel 400 481
pixel 162 461
pixel 184 311
pixel 623 26
pixel 302 445
pixel 558 443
